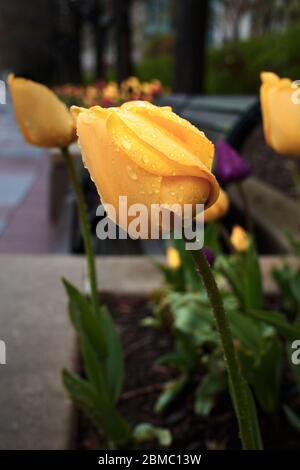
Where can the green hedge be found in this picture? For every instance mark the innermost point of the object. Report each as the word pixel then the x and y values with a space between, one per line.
pixel 235 68
pixel 160 67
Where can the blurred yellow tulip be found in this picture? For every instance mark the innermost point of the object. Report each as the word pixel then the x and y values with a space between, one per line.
pixel 146 153
pixel 43 119
pixel 281 114
pixel 131 88
pixel 239 239
pixel 173 258
pixel 111 92
pixel 219 209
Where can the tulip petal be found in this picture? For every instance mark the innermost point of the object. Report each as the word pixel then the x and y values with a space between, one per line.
pixel 281 115
pixel 112 171
pixel 156 150
pixel 44 120
pixel 193 140
pixel 184 190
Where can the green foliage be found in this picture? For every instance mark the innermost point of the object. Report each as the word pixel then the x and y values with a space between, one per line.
pixel 145 432
pixel 246 59
pixel 260 336
pixel 160 67
pixel 97 393
pixel 211 386
pixel 103 363
pixel 242 271
pixel 243 59
pixel 171 391
pixel 292 418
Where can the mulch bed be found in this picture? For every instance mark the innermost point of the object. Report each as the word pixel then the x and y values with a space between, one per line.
pixel 268 165
pixel 144 380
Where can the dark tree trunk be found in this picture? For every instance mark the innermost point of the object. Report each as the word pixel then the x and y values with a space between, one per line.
pixel 99 32
pixel 67 43
pixel 123 38
pixel 192 21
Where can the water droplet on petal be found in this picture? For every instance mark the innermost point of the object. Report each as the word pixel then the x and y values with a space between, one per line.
pixel 131 173
pixel 126 144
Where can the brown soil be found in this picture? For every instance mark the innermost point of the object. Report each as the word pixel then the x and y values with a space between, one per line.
pixel 144 379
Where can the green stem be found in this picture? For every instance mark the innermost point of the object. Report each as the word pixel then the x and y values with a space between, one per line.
pixel 223 233
pixel 237 384
pixel 85 227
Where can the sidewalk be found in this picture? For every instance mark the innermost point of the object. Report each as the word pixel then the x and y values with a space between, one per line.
pixel 24 170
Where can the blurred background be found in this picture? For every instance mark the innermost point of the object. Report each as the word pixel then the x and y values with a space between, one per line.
pixel 207 55
pixel 81 41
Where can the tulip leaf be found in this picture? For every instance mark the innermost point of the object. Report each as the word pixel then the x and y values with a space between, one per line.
pixel 114 360
pixel 99 410
pixel 246 330
pixel 278 321
pixel 292 417
pixel 253 419
pixel 146 432
pixel 267 375
pixel 81 391
pixel 252 278
pixel 170 392
pixel 206 392
pixel 85 320
pixel 211 238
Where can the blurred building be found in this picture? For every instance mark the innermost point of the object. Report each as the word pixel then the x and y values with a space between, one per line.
pixel 242 19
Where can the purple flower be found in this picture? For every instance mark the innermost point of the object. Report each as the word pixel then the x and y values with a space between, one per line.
pixel 230 167
pixel 210 256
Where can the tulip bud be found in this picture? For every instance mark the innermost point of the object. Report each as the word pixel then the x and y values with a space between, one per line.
pixel 230 167
pixel 281 114
pixel 43 119
pixel 173 258
pixel 219 209
pixel 209 255
pixel 239 239
pixel 148 154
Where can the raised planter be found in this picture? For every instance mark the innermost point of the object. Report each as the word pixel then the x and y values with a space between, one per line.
pixel 35 412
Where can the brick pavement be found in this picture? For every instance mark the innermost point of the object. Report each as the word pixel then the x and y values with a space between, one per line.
pixel 24 188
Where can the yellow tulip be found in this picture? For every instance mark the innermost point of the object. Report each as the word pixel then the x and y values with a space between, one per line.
pixel 146 153
pixel 219 209
pixel 111 92
pixel 173 258
pixel 43 119
pixel 239 239
pixel 281 114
